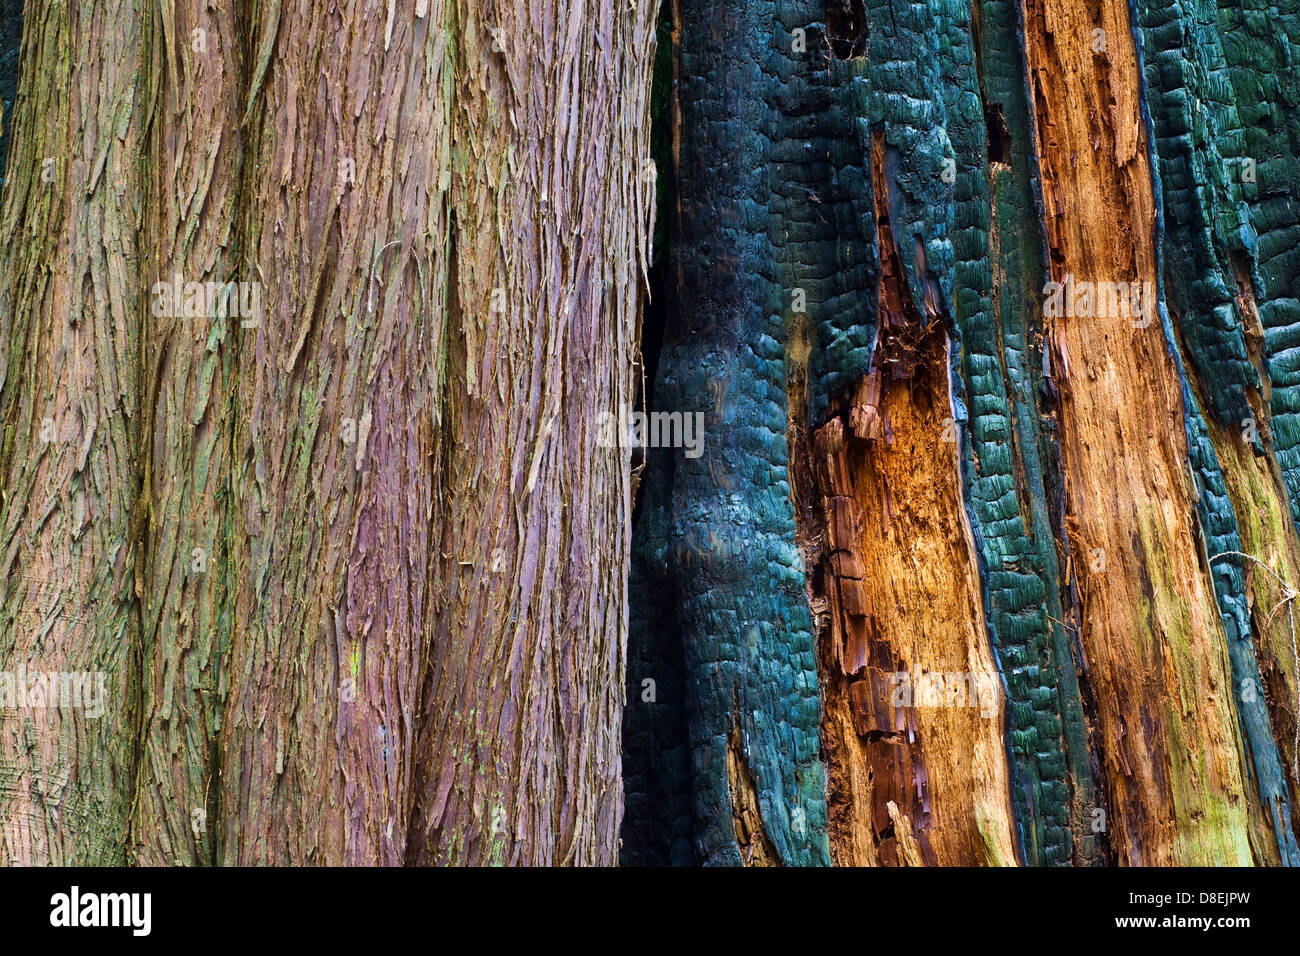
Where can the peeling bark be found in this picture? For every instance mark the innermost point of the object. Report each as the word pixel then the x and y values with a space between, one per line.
pixel 532 513
pixel 70 400
pixel 193 204
pixel 354 564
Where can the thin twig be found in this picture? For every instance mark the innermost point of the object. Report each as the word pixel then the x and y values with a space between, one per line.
pixel 1289 594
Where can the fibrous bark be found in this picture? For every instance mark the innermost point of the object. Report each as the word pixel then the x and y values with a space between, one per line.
pixel 70 395
pixel 353 562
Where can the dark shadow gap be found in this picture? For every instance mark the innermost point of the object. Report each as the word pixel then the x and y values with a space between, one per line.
pixel 846 28
pixel 11 42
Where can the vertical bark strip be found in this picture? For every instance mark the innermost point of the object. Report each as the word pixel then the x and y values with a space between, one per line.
pixel 272 527
pixel 1014 476
pixel 336 416
pixel 70 391
pixel 520 743
pixel 727 533
pixel 998 271
pixel 195 149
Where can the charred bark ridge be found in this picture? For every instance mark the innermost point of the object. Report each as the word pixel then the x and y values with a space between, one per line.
pixel 736 602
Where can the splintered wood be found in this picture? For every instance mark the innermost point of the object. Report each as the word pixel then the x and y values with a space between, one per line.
pixel 916 777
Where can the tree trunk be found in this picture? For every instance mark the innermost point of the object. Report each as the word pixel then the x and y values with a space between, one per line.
pixel 344 548
pixel 859 432
pixel 70 399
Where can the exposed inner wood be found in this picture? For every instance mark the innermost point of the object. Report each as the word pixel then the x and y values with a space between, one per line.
pixel 1148 621
pixel 913 723
pixel 904 616
pixel 755 847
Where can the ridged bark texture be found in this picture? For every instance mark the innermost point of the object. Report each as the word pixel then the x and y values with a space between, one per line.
pixel 353 564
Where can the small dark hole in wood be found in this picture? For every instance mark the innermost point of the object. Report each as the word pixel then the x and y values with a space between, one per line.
pixel 846 28
pixel 998 138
